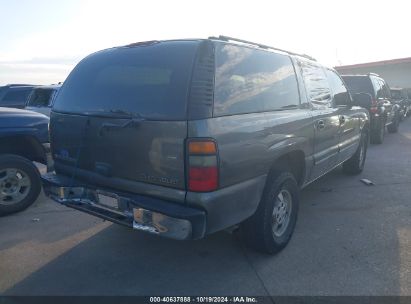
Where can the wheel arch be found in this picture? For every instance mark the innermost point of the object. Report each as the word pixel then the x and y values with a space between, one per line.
pixel 23 145
pixel 292 161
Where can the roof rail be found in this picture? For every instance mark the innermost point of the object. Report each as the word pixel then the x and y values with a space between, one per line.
pixel 374 74
pixel 263 46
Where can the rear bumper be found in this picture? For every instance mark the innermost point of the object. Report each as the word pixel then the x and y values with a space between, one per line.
pixel 143 213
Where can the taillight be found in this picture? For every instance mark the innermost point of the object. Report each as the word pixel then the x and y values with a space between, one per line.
pixel 374 107
pixel 202 165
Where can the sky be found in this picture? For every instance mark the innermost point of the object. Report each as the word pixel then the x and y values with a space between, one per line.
pixel 42 40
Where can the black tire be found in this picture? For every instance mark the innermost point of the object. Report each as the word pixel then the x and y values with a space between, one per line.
pixel 402 117
pixel 355 164
pixel 258 231
pixel 393 127
pixel 14 185
pixel 377 135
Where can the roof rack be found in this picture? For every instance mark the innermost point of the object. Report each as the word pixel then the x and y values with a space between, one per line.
pixel 374 74
pixel 263 46
pixel 18 84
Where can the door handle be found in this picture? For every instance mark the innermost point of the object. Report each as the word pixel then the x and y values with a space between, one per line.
pixel 342 119
pixel 320 124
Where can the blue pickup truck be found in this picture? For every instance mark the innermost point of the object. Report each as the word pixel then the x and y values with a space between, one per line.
pixel 23 140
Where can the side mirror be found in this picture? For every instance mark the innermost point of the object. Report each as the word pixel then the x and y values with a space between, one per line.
pixel 363 100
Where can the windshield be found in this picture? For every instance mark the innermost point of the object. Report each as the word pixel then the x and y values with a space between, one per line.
pixel 149 80
pixel 16 96
pixel 396 94
pixel 40 98
pixel 359 84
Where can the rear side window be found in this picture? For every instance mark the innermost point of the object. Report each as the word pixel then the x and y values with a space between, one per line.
pixel 340 93
pixel 360 84
pixel 40 98
pixel 316 82
pixel 249 80
pixel 379 87
pixel 15 97
pixel 387 91
pixel 149 80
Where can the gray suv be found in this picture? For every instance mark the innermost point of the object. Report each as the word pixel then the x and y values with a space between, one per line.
pixel 183 138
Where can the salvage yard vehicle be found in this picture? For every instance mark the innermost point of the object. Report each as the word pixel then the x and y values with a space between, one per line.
pixel 183 138
pixel 384 113
pixel 400 97
pixel 41 99
pixel 23 140
pixel 15 95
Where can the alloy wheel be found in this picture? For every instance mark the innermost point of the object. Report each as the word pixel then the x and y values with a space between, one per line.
pixel 281 212
pixel 14 186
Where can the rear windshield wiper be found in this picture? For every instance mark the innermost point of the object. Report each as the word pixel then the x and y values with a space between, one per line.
pixel 125 114
pixel 115 113
pixel 133 120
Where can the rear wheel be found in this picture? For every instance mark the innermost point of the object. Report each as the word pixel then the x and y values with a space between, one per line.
pixel 402 116
pixel 19 183
pixel 393 127
pixel 377 135
pixel 271 227
pixel 355 164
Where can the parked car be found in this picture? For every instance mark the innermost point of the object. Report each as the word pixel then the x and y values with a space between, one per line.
pixel 15 95
pixel 23 140
pixel 184 138
pixel 400 97
pixel 41 99
pixel 384 112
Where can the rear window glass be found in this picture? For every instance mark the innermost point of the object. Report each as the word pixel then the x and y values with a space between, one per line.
pixel 15 97
pixel 396 94
pixel 151 81
pixel 359 84
pixel 40 98
pixel 249 80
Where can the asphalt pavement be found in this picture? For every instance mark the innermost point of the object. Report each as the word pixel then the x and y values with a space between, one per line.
pixel 350 239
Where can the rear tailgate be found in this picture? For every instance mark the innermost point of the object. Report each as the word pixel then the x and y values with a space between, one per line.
pixel 151 152
pixel 120 119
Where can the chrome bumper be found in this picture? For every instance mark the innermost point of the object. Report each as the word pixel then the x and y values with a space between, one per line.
pixel 129 212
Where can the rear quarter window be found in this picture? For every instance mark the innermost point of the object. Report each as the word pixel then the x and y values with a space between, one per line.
pixel 249 80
